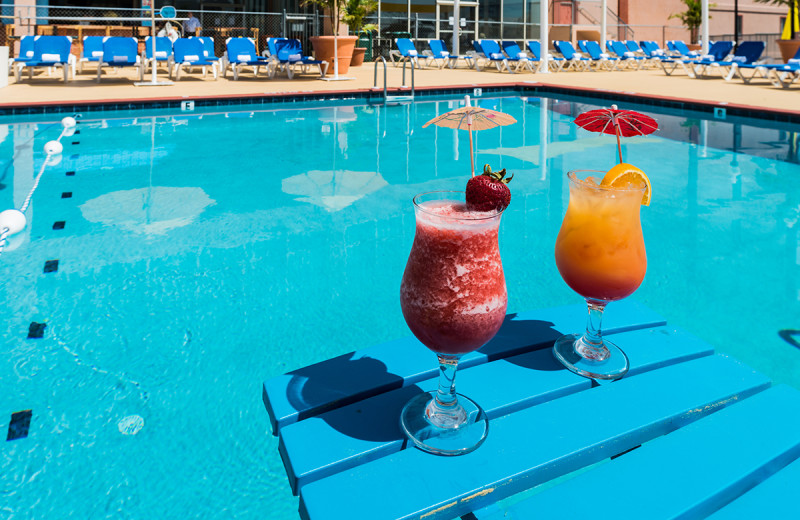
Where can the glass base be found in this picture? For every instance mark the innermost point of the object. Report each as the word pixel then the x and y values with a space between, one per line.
pixel 612 367
pixel 464 429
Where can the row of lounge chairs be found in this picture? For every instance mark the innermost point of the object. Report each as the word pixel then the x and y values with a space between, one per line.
pixel 744 63
pixel 741 62
pixel 51 52
pixel 508 56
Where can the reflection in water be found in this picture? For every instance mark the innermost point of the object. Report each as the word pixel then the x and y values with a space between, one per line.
pixel 333 190
pixel 151 211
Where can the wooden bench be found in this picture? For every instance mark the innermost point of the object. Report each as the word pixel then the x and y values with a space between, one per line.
pixel 687 433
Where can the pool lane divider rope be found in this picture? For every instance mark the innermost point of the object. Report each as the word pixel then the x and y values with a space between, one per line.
pixel 12 221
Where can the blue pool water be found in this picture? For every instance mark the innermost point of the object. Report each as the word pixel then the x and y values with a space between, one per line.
pixel 201 254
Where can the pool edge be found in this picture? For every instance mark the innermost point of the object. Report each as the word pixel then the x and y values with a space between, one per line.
pixel 375 94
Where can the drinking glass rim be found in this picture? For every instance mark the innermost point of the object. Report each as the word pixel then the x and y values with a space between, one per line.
pixel 460 197
pixel 573 177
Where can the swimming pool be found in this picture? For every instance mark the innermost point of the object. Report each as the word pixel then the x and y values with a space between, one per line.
pixel 201 253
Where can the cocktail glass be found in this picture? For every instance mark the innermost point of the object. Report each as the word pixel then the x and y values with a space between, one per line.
pixel 453 297
pixel 600 254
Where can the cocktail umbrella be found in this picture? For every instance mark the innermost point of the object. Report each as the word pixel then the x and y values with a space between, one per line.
pixel 471 118
pixel 625 123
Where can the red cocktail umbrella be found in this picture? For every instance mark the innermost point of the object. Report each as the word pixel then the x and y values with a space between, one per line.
pixel 625 123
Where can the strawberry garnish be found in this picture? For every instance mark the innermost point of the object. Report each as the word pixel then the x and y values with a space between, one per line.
pixel 488 191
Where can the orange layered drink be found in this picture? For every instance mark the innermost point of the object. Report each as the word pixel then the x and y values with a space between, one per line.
pixel 600 249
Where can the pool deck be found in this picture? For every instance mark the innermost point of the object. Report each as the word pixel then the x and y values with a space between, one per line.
pixel 654 83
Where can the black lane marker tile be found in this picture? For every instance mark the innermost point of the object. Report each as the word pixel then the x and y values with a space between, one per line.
pixel 77 132
pixel 59 224
pixel 19 425
pixel 76 142
pixel 70 173
pixel 74 156
pixel 66 195
pixel 51 266
pixel 36 330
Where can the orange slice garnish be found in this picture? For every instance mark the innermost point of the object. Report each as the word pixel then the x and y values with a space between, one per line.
pixel 626 175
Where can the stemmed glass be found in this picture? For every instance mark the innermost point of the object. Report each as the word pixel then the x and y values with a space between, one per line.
pixel 453 297
pixel 600 254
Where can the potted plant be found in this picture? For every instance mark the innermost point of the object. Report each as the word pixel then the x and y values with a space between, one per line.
pixel 328 46
pixel 354 13
pixel 692 18
pixel 789 42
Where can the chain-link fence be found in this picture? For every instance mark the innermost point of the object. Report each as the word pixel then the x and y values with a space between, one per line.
pixel 223 24
pixel 100 21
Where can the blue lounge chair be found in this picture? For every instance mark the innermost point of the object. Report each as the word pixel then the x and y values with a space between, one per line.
pixel 288 53
pixel 573 59
pixel 92 50
pixel 406 51
pixel 188 52
pixel 518 56
pixel 25 52
pixel 554 63
pixel 163 52
pixel 638 50
pixel 626 57
pixel 717 52
pixel 720 60
pixel 786 74
pixel 490 52
pixel 599 58
pixel 652 50
pixel 779 74
pixel 49 51
pixel 748 53
pixel 241 52
pixel 634 47
pixel 118 52
pixel 439 52
pixel 679 49
pixel 209 52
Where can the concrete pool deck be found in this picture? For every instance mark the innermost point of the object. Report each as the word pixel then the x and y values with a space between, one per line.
pixel 118 87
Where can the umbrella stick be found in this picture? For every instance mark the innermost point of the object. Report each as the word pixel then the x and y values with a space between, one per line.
pixel 471 160
pixel 619 146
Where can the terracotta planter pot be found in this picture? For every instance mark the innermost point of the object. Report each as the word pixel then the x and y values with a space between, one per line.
pixel 358 56
pixel 323 50
pixel 788 48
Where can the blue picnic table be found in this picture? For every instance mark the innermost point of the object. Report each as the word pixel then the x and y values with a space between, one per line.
pixel 687 433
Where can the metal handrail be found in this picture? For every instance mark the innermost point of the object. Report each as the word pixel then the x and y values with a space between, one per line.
pixel 385 89
pixel 412 76
pixel 375 78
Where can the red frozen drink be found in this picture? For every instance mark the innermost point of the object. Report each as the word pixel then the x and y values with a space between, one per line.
pixel 453 293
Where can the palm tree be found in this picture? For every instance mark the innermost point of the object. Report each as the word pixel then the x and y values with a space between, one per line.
pixel 692 18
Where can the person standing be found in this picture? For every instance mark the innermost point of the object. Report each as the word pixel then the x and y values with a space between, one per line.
pixel 191 26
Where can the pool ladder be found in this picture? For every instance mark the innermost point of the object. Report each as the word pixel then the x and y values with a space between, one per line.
pixel 386 97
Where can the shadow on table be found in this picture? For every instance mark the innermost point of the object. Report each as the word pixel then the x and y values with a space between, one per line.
pixel 357 397
pixel 792 337
pixel 531 336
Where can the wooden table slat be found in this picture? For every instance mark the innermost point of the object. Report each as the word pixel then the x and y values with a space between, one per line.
pixel 775 498
pixel 689 473
pixel 367 430
pixel 342 380
pixel 534 445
